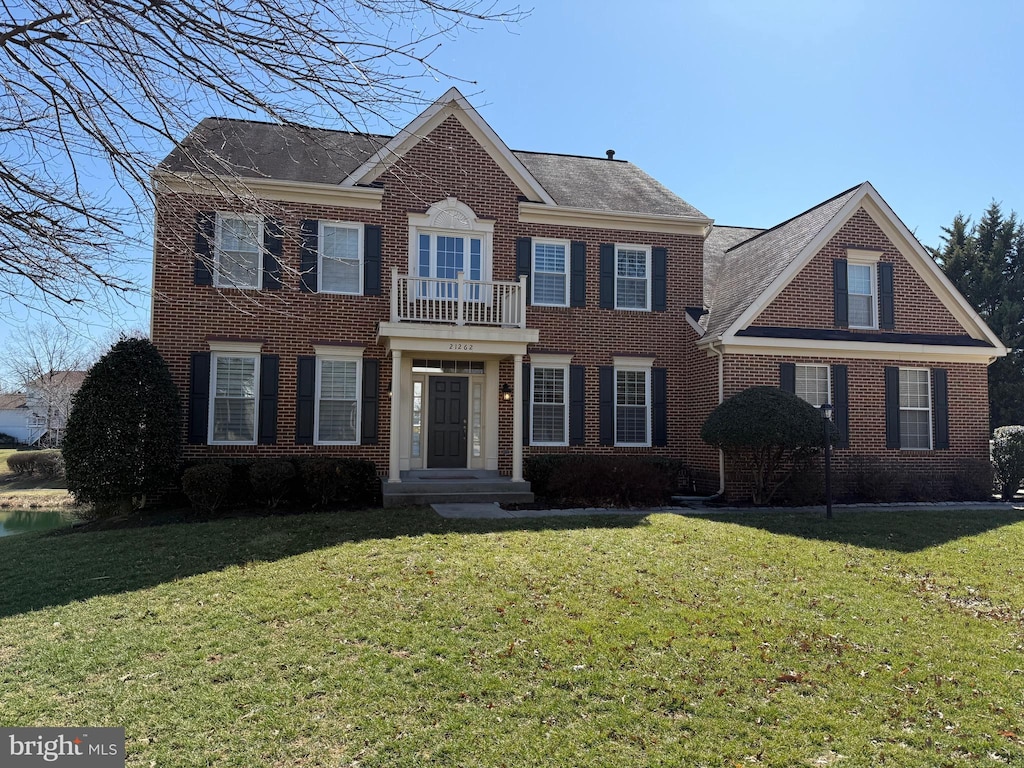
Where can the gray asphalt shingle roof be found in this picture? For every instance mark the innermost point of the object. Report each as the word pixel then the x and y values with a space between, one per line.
pixel 750 266
pixel 268 151
pixel 719 240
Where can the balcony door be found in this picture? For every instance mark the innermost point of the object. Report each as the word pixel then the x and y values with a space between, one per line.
pixel 448 422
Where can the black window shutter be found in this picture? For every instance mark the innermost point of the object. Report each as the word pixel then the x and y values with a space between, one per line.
pixel 606 398
pixel 841 404
pixel 940 403
pixel 577 405
pixel 273 253
pixel 659 406
pixel 305 396
pixel 198 398
pixel 526 395
pixel 524 259
pixel 202 272
pixel 267 434
pixel 371 260
pixel 840 293
pixel 310 232
pixel 578 274
pixel 607 276
pixel 659 279
pixel 886 315
pixel 370 416
pixel 892 407
pixel 787 377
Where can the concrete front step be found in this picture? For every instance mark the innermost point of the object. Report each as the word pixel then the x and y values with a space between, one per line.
pixel 461 486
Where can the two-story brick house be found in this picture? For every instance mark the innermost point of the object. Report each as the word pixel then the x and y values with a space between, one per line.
pixel 442 305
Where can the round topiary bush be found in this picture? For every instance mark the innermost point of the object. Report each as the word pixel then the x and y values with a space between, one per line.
pixel 764 428
pixel 123 437
pixel 207 486
pixel 1008 459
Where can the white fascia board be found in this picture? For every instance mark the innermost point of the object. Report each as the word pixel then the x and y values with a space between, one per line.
pixel 451 103
pixel 269 189
pixel 534 213
pixel 769 294
pixel 871 350
pixel 697 327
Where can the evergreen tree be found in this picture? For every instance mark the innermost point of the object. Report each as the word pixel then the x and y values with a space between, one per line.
pixel 986 263
pixel 123 437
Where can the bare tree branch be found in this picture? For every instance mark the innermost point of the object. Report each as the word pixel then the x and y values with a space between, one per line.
pixel 93 92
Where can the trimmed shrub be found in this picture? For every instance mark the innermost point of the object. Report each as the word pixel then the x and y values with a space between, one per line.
pixel 766 430
pixel 603 480
pixel 972 481
pixel 271 481
pixel 806 484
pixel 329 481
pixel 207 486
pixel 1008 459
pixel 47 464
pixel 870 479
pixel 6 439
pixel 123 437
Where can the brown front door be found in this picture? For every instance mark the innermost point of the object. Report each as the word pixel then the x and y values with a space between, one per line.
pixel 449 400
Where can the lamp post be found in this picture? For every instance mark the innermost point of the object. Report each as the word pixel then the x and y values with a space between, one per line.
pixel 826 417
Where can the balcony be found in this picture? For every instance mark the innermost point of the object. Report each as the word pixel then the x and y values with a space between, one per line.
pixel 494 303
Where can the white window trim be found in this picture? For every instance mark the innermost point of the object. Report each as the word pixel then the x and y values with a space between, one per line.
pixel 647 269
pixel 534 271
pixel 868 259
pixel 828 378
pixel 451 218
pixel 643 364
pixel 551 361
pixel 345 354
pixel 234 349
pixel 320 255
pixel 219 217
pixel 931 416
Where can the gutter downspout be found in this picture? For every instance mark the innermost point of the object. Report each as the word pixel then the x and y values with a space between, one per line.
pixel 721 397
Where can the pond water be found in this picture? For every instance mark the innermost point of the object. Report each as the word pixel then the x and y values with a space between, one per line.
pixel 23 521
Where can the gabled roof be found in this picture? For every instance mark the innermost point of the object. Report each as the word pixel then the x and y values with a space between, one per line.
pixel 12 401
pixel 267 151
pixel 754 272
pixel 719 240
pixel 755 263
pixel 70 379
pixel 451 104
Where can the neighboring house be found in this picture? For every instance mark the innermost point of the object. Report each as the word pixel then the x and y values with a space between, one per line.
pixel 39 414
pixel 15 418
pixel 444 306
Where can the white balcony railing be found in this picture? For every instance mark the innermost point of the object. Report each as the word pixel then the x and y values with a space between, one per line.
pixel 458 301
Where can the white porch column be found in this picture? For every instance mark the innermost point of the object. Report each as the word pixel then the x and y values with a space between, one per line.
pixel 394 470
pixel 517 418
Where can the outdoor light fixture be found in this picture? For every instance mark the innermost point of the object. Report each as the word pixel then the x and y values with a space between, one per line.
pixel 826 417
pixel 506 392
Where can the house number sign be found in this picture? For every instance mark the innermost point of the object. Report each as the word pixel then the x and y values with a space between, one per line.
pixel 461 347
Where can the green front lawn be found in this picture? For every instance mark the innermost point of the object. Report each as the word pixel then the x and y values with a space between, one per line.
pixel 399 639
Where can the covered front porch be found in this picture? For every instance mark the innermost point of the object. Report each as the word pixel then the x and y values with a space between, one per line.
pixel 456 412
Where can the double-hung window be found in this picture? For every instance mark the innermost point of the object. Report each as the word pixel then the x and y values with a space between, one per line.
pixel 812 384
pixel 632 405
pixel 337 399
pixel 550 273
pixel 234 390
pixel 549 400
pixel 862 292
pixel 632 277
pixel 915 409
pixel 341 262
pixel 238 250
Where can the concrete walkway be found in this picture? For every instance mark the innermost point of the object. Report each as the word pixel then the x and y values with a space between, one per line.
pixel 492 511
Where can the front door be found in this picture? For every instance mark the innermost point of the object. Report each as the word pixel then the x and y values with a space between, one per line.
pixel 446 441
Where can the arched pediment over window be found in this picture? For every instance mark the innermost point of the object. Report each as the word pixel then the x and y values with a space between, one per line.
pixel 449 238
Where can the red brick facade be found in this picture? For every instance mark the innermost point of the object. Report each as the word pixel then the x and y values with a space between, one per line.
pixel 450 163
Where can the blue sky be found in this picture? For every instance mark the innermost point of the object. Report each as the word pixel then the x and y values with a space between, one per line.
pixel 755 111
